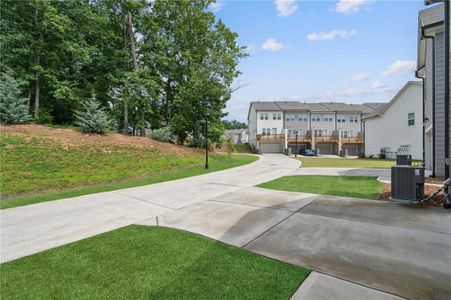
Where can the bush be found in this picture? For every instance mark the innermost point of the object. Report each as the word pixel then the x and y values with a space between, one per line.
pixel 13 108
pixel 92 118
pixel 163 134
pixel 230 147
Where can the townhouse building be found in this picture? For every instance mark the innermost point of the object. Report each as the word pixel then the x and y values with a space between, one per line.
pixel 328 128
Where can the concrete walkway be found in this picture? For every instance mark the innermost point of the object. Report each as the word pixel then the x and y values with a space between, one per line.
pixel 368 249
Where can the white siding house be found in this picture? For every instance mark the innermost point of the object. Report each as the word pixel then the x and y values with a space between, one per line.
pixel 397 126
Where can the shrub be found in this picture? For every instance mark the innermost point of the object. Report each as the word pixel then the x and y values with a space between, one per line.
pixel 230 147
pixel 92 118
pixel 163 134
pixel 13 108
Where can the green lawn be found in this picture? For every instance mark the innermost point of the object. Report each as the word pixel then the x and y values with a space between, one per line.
pixel 346 163
pixel 139 262
pixel 36 170
pixel 346 186
pixel 243 148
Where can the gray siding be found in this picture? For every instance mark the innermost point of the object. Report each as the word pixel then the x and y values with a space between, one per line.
pixel 440 103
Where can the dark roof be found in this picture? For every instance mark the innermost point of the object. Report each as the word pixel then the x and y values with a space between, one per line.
pixel 365 108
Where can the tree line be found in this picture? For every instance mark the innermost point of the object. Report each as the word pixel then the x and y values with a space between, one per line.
pixel 151 64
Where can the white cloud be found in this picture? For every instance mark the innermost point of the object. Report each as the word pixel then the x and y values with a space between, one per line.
pixel 348 7
pixel 400 66
pixel 272 44
pixel 286 7
pixel 216 6
pixel 328 36
pixel 362 76
pixel 377 85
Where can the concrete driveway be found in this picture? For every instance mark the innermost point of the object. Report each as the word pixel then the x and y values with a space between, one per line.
pixel 34 228
pixel 360 249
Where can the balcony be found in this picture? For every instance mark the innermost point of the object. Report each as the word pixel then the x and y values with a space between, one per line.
pixel 300 139
pixel 352 140
pixel 270 138
pixel 326 139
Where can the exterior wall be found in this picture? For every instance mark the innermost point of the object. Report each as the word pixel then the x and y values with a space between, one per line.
pixel 440 104
pixel 323 125
pixel 349 126
pixel 392 129
pixel 302 126
pixel 270 123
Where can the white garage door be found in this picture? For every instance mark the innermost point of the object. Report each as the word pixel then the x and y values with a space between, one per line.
pixel 352 150
pixel 271 148
pixel 324 148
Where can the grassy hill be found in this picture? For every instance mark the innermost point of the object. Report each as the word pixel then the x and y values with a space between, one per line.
pixel 40 163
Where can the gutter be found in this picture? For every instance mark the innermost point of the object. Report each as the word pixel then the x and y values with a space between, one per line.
pixel 432 38
pixel 447 100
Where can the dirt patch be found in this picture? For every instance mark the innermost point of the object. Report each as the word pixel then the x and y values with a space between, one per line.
pixel 429 188
pixel 73 138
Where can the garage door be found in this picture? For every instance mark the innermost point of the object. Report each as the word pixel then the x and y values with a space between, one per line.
pixel 352 150
pixel 271 148
pixel 325 148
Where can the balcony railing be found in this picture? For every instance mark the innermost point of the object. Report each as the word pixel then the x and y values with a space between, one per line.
pixel 270 137
pixel 352 140
pixel 326 139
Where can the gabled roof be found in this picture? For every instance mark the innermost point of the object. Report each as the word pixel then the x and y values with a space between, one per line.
pixel 323 107
pixel 431 17
pixel 383 108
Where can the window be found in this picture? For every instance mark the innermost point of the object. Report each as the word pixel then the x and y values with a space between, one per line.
pixel 346 133
pixel 303 118
pixel 274 116
pixel 274 130
pixel 266 116
pixel 341 119
pixel 411 119
pixel 353 119
pixel 266 131
pixel 279 116
pixel 316 118
pixel 318 132
pixel 328 118
pixel 289 117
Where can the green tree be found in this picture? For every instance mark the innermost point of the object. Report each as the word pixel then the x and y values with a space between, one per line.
pixel 93 118
pixel 13 107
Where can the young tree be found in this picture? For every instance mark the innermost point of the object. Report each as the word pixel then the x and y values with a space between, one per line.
pixel 93 118
pixel 13 107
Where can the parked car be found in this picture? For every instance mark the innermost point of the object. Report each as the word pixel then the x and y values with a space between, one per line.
pixel 308 152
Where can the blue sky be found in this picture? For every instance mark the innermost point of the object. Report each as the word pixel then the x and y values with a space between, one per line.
pixel 314 51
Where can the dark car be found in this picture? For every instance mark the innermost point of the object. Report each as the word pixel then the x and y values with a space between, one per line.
pixel 308 152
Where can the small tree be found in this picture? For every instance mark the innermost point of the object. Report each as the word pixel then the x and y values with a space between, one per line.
pixel 230 147
pixel 93 118
pixel 13 108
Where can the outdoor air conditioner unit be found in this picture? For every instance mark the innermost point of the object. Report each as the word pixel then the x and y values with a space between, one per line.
pixel 407 184
pixel 403 160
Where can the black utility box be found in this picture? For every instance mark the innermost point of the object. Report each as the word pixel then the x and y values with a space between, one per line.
pixel 403 159
pixel 407 183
